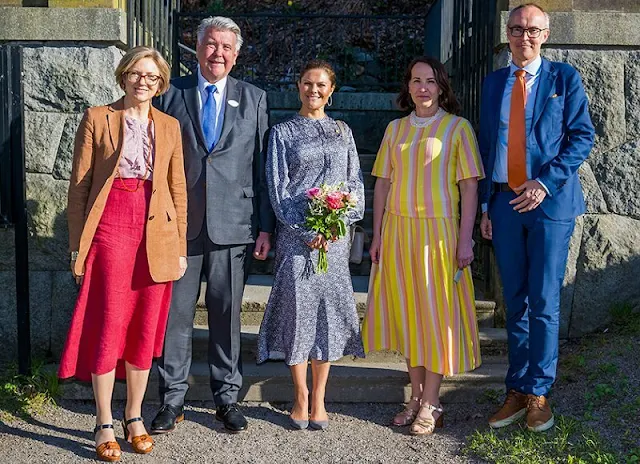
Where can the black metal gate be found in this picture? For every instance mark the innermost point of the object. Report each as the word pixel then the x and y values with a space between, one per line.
pixel 13 212
pixel 368 52
pixel 474 23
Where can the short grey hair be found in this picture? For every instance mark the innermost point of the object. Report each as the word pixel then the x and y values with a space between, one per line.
pixel 219 23
pixel 534 5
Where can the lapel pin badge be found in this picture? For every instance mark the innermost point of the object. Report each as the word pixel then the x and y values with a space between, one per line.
pixel 554 95
pixel 233 103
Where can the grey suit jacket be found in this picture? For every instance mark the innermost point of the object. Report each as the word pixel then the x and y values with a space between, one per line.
pixel 226 187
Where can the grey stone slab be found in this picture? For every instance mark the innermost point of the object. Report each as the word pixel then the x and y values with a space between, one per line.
pixel 602 74
pixel 587 28
pixel 608 271
pixel 618 175
pixel 42 132
pixel 632 95
pixel 46 204
pixel 70 79
pixel 64 155
pixel 569 282
pixel 40 286
pixel 8 327
pixel 593 197
pixel 7 249
pixel 627 6
pixel 63 299
pixel 39 311
pixel 63 24
pixel 502 58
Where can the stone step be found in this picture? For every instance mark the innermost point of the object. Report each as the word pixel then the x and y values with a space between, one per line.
pixel 493 342
pixel 369 180
pixel 366 161
pixel 349 382
pixel 258 288
pixel 362 270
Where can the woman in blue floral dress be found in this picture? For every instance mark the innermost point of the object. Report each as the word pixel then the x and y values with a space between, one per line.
pixel 309 316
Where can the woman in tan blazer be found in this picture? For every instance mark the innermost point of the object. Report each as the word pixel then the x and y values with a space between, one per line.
pixel 127 235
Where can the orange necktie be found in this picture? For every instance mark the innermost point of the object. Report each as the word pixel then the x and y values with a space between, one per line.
pixel 517 142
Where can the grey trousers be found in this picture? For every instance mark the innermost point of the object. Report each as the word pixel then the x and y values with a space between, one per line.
pixel 225 269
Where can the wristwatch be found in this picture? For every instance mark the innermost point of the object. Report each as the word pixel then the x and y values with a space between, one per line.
pixel 74 255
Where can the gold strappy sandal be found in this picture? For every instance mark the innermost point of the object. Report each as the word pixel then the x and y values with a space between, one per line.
pixel 427 425
pixel 408 415
pixel 103 447
pixel 138 441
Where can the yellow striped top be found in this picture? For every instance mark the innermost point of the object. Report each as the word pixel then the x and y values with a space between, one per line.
pixel 425 165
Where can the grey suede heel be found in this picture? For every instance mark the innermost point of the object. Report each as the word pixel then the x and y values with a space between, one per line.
pixel 298 424
pixel 319 425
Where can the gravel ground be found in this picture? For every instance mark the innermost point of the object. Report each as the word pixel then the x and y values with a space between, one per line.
pixel 357 433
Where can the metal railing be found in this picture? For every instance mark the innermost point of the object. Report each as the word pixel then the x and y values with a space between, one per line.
pixel 13 210
pixel 6 175
pixel 474 23
pixel 368 52
pixel 150 23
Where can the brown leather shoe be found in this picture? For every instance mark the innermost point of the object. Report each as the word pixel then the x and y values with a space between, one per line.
pixel 513 409
pixel 539 415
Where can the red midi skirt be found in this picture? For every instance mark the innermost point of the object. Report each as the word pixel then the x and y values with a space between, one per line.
pixel 121 313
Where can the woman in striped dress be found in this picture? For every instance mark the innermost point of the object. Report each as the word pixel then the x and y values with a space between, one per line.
pixel 419 304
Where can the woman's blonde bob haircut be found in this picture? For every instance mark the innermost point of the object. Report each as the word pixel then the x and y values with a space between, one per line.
pixel 136 54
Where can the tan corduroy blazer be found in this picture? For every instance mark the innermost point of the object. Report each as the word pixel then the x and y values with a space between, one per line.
pixel 98 147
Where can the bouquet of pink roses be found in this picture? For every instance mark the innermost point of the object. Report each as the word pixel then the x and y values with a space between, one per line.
pixel 328 205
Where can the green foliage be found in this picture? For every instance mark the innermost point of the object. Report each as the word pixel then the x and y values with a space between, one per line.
pixel 633 456
pixel 491 396
pixel 217 7
pixel 568 442
pixel 572 367
pixel 625 320
pixel 22 395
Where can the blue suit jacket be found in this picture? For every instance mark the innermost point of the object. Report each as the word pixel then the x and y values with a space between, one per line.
pixel 560 140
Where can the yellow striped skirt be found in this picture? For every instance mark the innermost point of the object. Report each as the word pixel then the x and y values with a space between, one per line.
pixel 414 306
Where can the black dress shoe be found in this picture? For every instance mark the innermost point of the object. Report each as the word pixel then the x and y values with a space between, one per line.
pixel 167 418
pixel 232 418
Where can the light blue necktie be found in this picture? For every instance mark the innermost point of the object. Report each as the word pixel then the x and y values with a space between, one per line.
pixel 209 118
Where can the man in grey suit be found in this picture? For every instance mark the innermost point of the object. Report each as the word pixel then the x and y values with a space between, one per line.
pixel 224 123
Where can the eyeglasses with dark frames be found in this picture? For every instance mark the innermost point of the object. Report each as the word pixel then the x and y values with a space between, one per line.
pixel 533 32
pixel 150 79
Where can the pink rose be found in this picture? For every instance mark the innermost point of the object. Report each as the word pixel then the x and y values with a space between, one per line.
pixel 313 193
pixel 334 200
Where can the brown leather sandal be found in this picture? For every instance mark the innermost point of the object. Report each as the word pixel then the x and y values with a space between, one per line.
pixel 102 448
pixel 408 415
pixel 139 440
pixel 427 425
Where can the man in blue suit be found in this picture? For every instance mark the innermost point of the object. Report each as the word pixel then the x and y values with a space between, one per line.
pixel 535 132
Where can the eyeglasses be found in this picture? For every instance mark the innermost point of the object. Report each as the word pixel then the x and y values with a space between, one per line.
pixel 533 32
pixel 150 79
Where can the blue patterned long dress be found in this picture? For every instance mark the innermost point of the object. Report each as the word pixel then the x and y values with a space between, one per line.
pixel 310 316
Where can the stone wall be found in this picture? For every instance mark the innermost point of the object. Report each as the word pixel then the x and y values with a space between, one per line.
pixel 61 79
pixel 604 257
pixel 60 82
